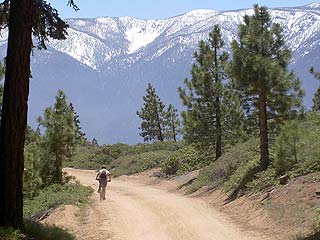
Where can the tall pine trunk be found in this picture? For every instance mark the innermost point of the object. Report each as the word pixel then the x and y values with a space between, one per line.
pixel 160 136
pixel 14 113
pixel 58 168
pixel 218 112
pixel 174 130
pixel 263 126
pixel 218 129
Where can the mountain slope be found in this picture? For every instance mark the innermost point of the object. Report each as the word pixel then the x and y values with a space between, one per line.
pixel 105 63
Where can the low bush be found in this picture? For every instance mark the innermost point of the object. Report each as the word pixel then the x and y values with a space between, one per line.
pixel 171 165
pixel 242 176
pixel 156 146
pixel 88 157
pixel 38 231
pixel 55 195
pixel 263 180
pixel 92 156
pixel 131 164
pixel 230 168
pixel 185 160
pixel 297 148
pixel 10 234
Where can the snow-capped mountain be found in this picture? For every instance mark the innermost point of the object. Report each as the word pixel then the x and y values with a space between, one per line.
pixel 105 63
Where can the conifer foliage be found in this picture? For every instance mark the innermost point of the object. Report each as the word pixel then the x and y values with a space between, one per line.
pixel 60 135
pixel 212 106
pixel 259 66
pixel 316 101
pixel 79 134
pixel 153 116
pixel 316 97
pixel 172 122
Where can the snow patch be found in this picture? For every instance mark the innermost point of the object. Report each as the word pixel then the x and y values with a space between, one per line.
pixel 139 37
pixel 313 5
pixel 201 12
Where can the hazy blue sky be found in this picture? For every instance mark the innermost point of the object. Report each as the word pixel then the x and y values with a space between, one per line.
pixel 155 9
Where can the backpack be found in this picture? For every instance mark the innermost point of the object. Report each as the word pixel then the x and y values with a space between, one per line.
pixel 103 175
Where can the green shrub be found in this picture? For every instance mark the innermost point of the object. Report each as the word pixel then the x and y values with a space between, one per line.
pixel 204 179
pixel 297 148
pixel 185 160
pixel 243 175
pixel 31 175
pixel 88 157
pixel 156 146
pixel 263 180
pixel 171 165
pixel 39 231
pixel 287 147
pixel 131 164
pixel 10 234
pixel 55 195
pixel 36 231
pixel 92 157
pixel 225 169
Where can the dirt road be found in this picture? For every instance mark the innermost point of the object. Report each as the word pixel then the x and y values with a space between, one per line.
pixel 134 211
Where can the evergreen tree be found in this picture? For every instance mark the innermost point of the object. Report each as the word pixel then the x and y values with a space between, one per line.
pixel 259 66
pixel 80 136
pixel 212 106
pixel 316 101
pixel 32 167
pixel 59 137
pixel 316 97
pixel 152 115
pixel 172 123
pixel 23 18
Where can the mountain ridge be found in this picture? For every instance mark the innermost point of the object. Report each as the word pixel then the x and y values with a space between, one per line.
pixel 108 61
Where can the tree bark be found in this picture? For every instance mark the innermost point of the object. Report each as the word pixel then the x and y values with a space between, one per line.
pixel 218 112
pixel 173 129
pixel 263 126
pixel 14 113
pixel 218 129
pixel 58 167
pixel 160 136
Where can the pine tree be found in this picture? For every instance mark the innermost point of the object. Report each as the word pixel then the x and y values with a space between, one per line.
pixel 59 137
pixel 172 123
pixel 316 97
pixel 152 115
pixel 212 107
pixel 259 66
pixel 23 18
pixel 32 167
pixel 80 136
pixel 316 101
